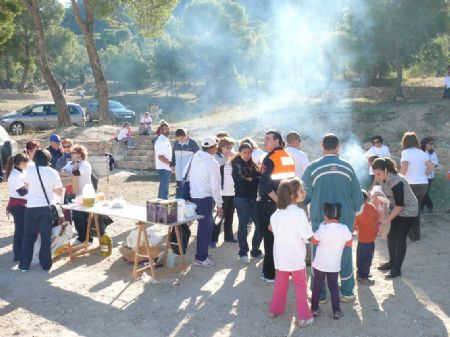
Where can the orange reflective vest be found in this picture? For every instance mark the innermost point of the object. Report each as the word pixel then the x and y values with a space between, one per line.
pixel 283 165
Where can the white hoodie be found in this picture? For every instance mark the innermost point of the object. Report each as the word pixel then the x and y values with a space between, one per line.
pixel 204 177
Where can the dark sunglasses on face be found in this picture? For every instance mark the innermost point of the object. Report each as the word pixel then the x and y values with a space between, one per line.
pixel 67 146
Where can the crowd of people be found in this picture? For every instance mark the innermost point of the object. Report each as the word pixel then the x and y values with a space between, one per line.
pixel 34 183
pixel 290 201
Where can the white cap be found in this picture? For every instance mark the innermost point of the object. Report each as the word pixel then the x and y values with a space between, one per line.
pixel 208 142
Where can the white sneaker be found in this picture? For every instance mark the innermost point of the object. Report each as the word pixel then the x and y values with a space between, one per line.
pixel 348 299
pixel 206 263
pixel 244 259
pixel 303 323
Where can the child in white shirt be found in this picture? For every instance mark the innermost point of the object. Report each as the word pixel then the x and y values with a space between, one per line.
pixel 331 238
pixel 291 231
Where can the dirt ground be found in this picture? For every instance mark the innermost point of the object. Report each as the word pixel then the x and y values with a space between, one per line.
pixel 96 296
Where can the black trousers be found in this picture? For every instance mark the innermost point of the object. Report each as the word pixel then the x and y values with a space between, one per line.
pixel 427 200
pixel 396 240
pixel 80 220
pixel 265 209
pixel 18 214
pixel 228 213
pixel 419 190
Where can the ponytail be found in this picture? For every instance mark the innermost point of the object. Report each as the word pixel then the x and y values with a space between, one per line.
pixel 9 166
pixel 385 164
pixel 332 211
pixel 14 161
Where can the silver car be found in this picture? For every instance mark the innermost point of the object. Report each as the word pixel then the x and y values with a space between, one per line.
pixel 40 116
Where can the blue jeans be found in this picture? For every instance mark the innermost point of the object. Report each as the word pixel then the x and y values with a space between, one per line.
pixel 37 219
pixel 364 256
pixel 164 179
pixel 246 211
pixel 205 226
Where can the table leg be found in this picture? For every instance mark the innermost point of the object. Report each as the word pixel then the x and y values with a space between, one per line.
pixel 180 245
pixel 147 247
pixel 136 256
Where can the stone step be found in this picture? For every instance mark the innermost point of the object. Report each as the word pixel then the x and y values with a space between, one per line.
pixel 147 147
pixel 148 153
pixel 138 158
pixel 134 165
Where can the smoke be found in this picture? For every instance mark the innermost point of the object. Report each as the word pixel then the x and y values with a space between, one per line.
pixel 304 62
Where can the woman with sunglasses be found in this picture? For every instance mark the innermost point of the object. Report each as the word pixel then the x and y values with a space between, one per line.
pixel 377 149
pixel 427 146
pixel 67 144
pixel 79 167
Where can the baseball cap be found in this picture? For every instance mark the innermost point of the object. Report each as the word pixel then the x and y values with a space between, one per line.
pixel 209 142
pixel 55 138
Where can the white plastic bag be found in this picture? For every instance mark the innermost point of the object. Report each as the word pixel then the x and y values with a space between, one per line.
pixel 61 236
pixel 154 238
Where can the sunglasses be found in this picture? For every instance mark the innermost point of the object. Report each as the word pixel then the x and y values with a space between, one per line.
pixel 67 146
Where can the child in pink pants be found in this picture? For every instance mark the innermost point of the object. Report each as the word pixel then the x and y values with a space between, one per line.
pixel 291 231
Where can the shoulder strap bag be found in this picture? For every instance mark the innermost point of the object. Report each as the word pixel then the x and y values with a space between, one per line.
pixel 54 215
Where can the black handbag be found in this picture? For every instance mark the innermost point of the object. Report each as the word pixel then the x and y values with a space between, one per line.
pixel 54 215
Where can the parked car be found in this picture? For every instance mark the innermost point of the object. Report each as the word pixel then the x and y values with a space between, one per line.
pixel 42 115
pixel 8 146
pixel 119 112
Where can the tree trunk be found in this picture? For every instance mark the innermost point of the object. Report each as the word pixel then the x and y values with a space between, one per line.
pixel 41 55
pixel 399 70
pixel 87 28
pixel 26 66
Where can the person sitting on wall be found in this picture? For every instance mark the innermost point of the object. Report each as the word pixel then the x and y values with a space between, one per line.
pixel 145 125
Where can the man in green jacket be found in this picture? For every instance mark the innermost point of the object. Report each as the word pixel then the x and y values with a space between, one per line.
pixel 331 179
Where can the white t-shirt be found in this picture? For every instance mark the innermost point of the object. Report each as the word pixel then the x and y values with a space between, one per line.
pixel 146 120
pixel 416 159
pixel 123 133
pixel 382 151
pixel 85 173
pixel 228 182
pixel 258 156
pixel 300 159
pixel 16 180
pixel 332 238
pixel 51 181
pixel 163 147
pixel 291 231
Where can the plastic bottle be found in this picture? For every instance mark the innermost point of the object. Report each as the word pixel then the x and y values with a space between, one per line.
pixel 88 194
pixel 105 245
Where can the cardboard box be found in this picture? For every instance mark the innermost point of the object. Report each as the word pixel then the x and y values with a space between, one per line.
pixel 166 211
pixel 128 253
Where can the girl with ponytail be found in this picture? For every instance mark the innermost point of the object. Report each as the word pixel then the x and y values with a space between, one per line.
pixel 330 239
pixel 15 175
